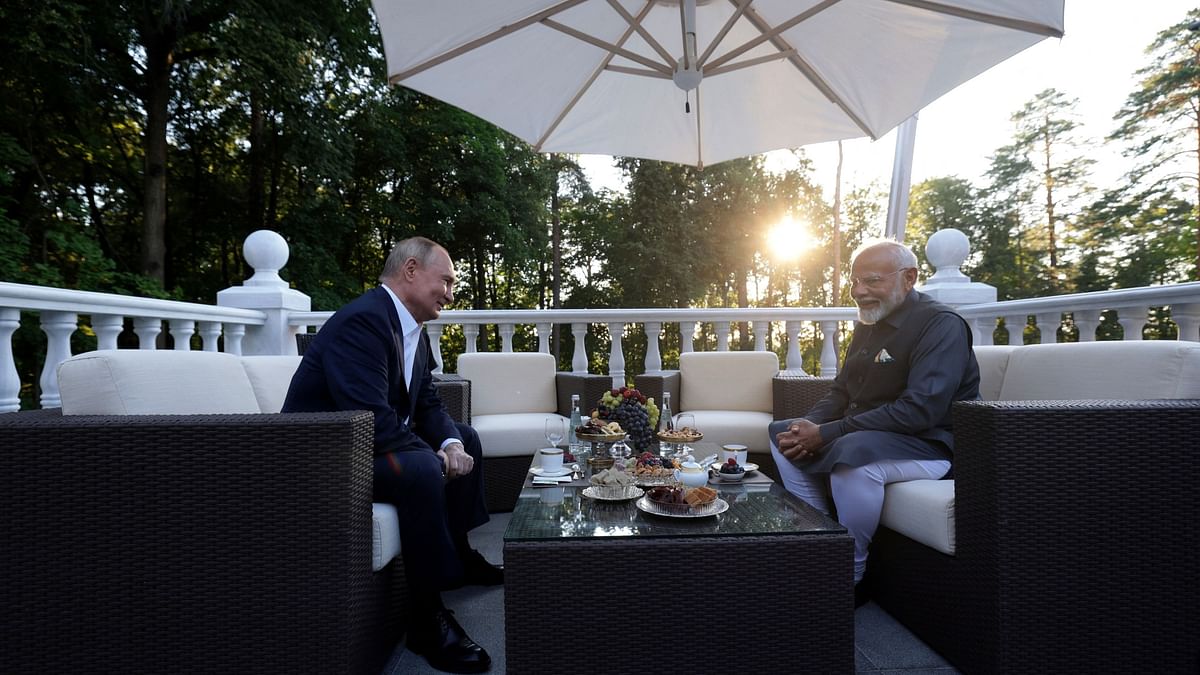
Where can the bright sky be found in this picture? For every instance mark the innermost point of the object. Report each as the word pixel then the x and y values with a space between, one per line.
pixel 1095 62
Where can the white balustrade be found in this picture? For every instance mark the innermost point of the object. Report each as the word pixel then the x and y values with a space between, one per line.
pixel 653 355
pixel 1048 323
pixel 147 329
pixel 210 332
pixel 107 327
pixel 579 360
pixel 183 330
pixel 506 336
pixel 10 379
pixel 58 327
pixel 545 331
pixel 828 351
pixel 1086 321
pixel 616 355
pixel 1187 317
pixel 435 337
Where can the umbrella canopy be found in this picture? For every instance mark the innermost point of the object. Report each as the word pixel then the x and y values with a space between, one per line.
pixel 700 81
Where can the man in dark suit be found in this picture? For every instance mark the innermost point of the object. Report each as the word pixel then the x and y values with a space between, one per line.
pixel 373 355
pixel 887 417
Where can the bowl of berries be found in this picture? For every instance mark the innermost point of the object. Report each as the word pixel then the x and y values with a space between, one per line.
pixel 731 471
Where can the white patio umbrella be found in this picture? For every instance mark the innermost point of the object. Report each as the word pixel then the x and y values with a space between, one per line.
pixel 700 81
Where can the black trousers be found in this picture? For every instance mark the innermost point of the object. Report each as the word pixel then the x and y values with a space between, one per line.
pixel 434 513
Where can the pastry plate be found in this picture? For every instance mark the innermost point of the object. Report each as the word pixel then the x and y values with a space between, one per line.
pixel 630 492
pixel 539 471
pixel 680 439
pixel 601 438
pixel 717 506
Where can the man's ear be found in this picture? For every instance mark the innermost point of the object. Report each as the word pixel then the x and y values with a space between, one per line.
pixel 409 269
pixel 910 277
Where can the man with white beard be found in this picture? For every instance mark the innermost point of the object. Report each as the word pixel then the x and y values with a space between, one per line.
pixel 887 417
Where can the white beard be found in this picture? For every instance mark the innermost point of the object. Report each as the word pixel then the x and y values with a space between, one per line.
pixel 869 317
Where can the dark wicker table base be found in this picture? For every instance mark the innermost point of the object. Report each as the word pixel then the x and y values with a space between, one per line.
pixel 613 613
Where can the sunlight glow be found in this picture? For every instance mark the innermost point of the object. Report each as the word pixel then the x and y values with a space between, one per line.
pixel 788 239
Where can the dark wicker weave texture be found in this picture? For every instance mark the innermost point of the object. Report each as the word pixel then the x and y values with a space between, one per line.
pixel 203 543
pixel 678 627
pixel 794 396
pixel 1077 541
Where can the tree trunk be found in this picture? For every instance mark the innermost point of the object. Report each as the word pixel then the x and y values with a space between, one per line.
pixel 255 209
pixel 1049 180
pixel 159 61
pixel 556 263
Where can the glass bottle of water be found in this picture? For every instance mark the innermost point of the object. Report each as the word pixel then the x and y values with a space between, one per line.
pixel 574 446
pixel 665 424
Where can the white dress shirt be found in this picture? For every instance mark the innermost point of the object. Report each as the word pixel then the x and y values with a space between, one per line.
pixel 411 331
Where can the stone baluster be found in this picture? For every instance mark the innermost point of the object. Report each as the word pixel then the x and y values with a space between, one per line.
pixel 267 252
pixel 10 380
pixel 722 328
pixel 687 336
pixel 828 353
pixel 1132 321
pixel 182 330
pixel 434 331
pixel 981 328
pixel 1048 324
pixel 760 336
pixel 1187 317
pixel 471 334
pixel 544 332
pixel 147 329
pixel 579 359
pixel 1087 321
pixel 210 332
pixel 795 359
pixel 653 355
pixel 58 327
pixel 616 355
pixel 234 332
pixel 506 336
pixel 107 327
pixel 1015 325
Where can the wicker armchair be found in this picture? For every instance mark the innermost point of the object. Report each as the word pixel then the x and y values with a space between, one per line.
pixel 208 543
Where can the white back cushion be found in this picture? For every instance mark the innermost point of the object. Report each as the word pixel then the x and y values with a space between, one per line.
pixel 150 382
pixel 270 376
pixel 510 382
pixel 727 381
pixel 1103 370
pixel 993 360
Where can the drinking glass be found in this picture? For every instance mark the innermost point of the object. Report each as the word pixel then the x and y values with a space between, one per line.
pixel 684 421
pixel 556 430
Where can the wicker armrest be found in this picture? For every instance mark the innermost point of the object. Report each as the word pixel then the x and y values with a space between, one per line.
pixel 1067 510
pixel 589 387
pixel 224 542
pixel 455 393
pixel 796 395
pixel 654 385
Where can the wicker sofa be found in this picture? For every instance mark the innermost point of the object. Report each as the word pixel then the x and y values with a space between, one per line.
pixel 173 519
pixel 1067 540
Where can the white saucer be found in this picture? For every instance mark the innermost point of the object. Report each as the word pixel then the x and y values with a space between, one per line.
pixel 538 471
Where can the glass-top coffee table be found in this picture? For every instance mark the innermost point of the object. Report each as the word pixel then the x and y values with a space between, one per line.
pixel 596 586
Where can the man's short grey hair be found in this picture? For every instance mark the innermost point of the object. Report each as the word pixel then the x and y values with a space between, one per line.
pixel 420 248
pixel 900 254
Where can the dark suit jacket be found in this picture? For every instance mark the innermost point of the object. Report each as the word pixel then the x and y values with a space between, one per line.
pixel 356 362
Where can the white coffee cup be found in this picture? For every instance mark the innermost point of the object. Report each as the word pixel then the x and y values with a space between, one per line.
pixel 551 459
pixel 737 452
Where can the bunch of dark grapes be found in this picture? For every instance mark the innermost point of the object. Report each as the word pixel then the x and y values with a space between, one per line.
pixel 636 414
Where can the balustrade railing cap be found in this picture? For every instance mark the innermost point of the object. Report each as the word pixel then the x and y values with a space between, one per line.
pixel 267 252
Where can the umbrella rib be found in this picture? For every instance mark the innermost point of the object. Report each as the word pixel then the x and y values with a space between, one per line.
pixel 983 17
pixel 637 25
pixel 808 71
pixel 607 46
pixel 786 54
pixel 769 32
pixel 481 41
pixel 641 72
pixel 733 19
pixel 537 147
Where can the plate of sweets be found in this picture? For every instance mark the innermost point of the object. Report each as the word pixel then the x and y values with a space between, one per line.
pixel 597 430
pixel 613 484
pixel 650 469
pixel 682 502
pixel 681 435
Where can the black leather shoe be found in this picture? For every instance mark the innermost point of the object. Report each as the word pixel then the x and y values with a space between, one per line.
pixel 446 646
pixel 477 571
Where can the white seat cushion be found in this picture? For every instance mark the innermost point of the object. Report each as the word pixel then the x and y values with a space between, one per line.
pixel 727 381
pixel 509 382
pixel 735 426
pixel 922 510
pixel 993 361
pixel 1151 369
pixel 512 434
pixel 385 535
pixel 270 376
pixel 151 382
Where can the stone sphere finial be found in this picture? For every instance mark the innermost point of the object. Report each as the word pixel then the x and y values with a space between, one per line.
pixel 946 251
pixel 267 252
